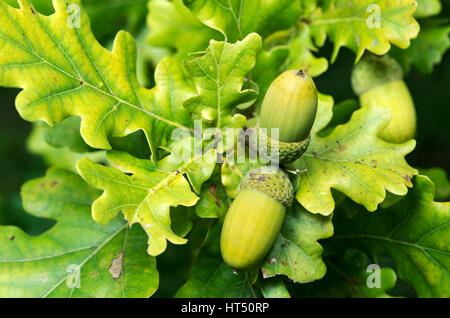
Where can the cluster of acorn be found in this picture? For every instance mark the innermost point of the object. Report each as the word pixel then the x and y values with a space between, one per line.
pixel 256 215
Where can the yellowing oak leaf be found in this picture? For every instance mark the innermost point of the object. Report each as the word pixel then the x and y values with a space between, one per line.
pixel 219 78
pixel 174 26
pixel 110 260
pixel 301 50
pixel 65 72
pixel 354 161
pixel 296 252
pixel 414 232
pixel 427 49
pixel 145 192
pixel 365 24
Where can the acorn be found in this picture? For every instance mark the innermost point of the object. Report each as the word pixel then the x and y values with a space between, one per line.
pixel 255 217
pixel 378 81
pixel 289 107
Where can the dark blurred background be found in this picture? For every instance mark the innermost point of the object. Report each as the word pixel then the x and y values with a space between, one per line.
pixel 431 94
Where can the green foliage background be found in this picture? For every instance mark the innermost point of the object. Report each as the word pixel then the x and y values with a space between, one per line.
pixel 430 93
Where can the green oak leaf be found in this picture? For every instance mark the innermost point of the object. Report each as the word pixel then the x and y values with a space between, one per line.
pixel 63 158
pixel 232 173
pixel 109 16
pixel 235 19
pixel 148 57
pixel 67 134
pixel 354 161
pixel 324 113
pixel 174 26
pixel 268 66
pixel 296 252
pixel 274 288
pixel 349 276
pixel 219 77
pixel 181 220
pixel 288 49
pixel 210 277
pixel 135 144
pixel 88 81
pixel 214 201
pixel 427 8
pixel 145 191
pixel 301 48
pixel 342 113
pixel 441 181
pixel 414 233
pixel 111 259
pixel 428 49
pixel 198 166
pixel 356 25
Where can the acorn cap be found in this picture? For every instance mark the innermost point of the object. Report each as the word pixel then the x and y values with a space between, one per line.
pixel 281 152
pixel 271 181
pixel 372 71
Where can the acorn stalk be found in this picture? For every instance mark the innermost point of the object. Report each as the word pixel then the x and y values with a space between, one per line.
pixel 378 81
pixel 289 107
pixel 255 217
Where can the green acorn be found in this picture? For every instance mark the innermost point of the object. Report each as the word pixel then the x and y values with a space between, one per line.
pixel 255 217
pixel 290 107
pixel 378 81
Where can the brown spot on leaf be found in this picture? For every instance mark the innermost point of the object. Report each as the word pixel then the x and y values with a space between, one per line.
pixel 32 11
pixel 12 238
pixel 93 274
pixel 212 190
pixel 408 178
pixel 116 266
pixel 272 260
pixel 54 184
